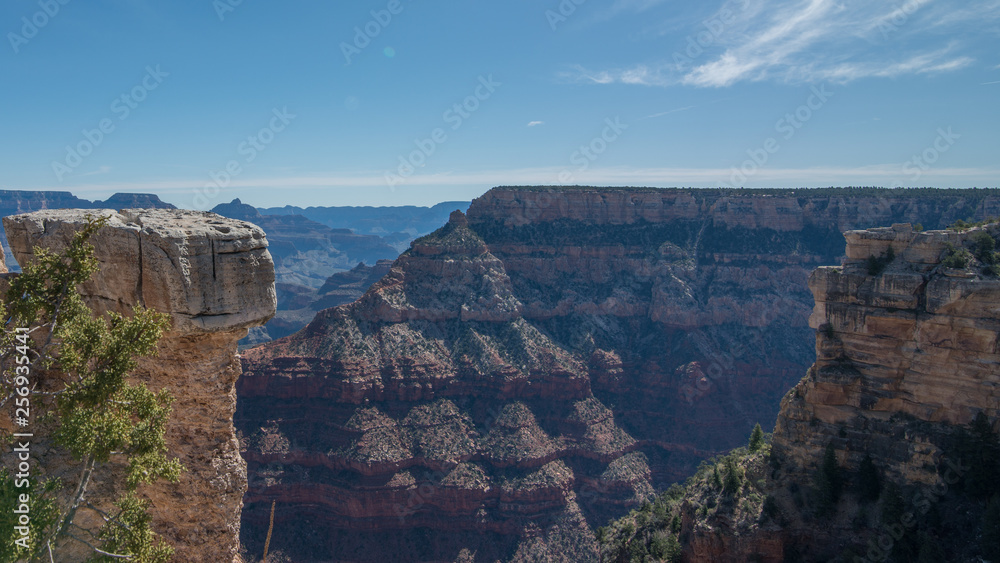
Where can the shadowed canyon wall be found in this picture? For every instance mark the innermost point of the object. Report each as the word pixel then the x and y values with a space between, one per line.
pixel 542 364
pixel 906 381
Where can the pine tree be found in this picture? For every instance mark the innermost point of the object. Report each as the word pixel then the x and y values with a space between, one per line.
pixel 734 478
pixel 756 439
pixel 673 550
pixel 99 416
pixel 984 458
pixel 869 482
pixel 828 481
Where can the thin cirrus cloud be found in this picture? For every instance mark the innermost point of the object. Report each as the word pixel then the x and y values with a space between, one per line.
pixel 100 170
pixel 885 174
pixel 813 40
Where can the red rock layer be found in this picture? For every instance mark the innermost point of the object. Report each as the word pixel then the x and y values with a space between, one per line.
pixel 519 379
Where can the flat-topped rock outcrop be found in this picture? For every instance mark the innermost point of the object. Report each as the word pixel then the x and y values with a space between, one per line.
pixel 215 278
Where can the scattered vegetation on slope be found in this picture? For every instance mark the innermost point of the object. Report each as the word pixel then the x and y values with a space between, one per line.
pixel 877 265
pixel 727 492
pixel 736 500
pixel 981 255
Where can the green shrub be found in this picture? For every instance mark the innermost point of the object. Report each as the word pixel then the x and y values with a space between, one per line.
pixel 734 478
pixel 979 449
pixel 983 247
pixel 957 258
pixel 877 265
pixel 770 508
pixel 666 548
pixel 675 524
pixel 961 225
pixel 716 478
pixel 827 329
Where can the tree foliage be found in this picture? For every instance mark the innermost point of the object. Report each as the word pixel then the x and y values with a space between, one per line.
pixel 734 477
pixel 829 481
pixel 869 481
pixel 98 416
pixel 756 439
pixel 978 447
pixel 877 265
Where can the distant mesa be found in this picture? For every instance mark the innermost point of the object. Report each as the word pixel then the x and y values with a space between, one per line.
pixel 134 201
pixel 236 209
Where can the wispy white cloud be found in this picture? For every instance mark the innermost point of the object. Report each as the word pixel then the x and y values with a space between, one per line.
pixel 535 123
pixel 813 40
pixel 668 112
pixel 924 63
pixel 101 170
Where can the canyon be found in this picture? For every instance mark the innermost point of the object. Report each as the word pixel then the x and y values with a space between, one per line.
pixel 551 360
pixel 547 362
pixel 305 253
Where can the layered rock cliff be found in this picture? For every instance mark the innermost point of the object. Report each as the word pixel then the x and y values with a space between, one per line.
pixel 887 449
pixel 918 341
pixel 431 403
pixel 639 331
pixel 215 278
pixel 907 356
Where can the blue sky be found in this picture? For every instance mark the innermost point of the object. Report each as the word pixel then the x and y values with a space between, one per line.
pixel 397 102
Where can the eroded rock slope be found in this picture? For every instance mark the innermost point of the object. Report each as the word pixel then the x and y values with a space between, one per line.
pixel 543 363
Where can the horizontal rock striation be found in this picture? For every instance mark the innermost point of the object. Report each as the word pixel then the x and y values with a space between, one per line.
pixel 903 394
pixel 431 403
pixel 907 355
pixel 215 278
pixel 912 350
pixel 675 318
